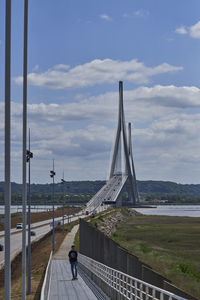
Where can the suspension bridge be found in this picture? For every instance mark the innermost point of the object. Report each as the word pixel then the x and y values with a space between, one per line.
pixel 122 172
pixel 109 282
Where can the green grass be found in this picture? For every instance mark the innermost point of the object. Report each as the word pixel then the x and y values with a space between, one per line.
pixel 68 227
pixel 77 241
pixel 170 245
pixel 101 218
pixel 124 211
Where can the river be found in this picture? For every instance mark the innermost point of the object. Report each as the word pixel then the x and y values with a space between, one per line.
pixel 34 208
pixel 172 210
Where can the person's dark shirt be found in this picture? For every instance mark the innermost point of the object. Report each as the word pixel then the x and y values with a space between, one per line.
pixel 72 256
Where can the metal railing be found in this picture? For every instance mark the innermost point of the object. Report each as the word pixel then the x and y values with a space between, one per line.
pixel 127 286
pixel 45 287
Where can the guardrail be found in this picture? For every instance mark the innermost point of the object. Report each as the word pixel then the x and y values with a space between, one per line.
pixel 45 287
pixel 128 287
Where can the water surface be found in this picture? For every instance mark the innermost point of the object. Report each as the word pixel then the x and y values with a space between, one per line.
pixel 172 210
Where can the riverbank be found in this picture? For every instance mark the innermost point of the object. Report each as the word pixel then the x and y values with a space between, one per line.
pixel 170 245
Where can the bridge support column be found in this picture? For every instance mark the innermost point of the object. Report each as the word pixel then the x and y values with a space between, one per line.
pixel 124 151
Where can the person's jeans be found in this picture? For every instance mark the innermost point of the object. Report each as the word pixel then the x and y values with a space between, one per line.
pixel 74 269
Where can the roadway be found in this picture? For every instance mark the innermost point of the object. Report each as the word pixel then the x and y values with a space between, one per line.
pixel 40 228
pixel 33 226
pixel 108 194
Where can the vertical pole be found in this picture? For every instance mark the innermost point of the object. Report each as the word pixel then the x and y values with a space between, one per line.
pixel 7 194
pixel 68 210
pixel 63 202
pixel 68 215
pixel 53 235
pixel 29 221
pixel 63 216
pixel 24 194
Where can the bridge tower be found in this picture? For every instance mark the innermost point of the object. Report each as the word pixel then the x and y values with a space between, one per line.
pixel 122 160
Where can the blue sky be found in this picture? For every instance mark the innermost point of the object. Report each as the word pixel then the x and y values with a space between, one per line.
pixel 78 51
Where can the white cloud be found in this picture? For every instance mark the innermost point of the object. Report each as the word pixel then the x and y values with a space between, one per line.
pixel 172 142
pixel 141 13
pixel 181 30
pixel 168 96
pixel 141 104
pixel 193 31
pixel 61 67
pixel 96 72
pixel 80 135
pixel 138 13
pixel 105 17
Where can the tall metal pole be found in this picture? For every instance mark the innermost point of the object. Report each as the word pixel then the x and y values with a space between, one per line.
pixel 7 194
pixel 53 216
pixel 29 218
pixel 68 211
pixel 24 194
pixel 63 181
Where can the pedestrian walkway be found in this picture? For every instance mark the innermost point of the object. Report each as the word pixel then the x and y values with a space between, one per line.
pixel 62 287
pixel 65 247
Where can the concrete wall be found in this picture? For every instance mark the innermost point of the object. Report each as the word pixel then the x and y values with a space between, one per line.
pixel 96 245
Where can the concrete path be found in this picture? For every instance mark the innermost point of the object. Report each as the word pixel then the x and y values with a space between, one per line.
pixel 65 247
pixel 62 287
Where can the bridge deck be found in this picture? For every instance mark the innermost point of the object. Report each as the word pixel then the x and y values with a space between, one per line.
pixel 63 288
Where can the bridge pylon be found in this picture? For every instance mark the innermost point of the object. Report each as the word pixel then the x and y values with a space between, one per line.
pixel 122 160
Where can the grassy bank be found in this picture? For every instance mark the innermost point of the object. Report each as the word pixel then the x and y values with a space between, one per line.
pixel 170 245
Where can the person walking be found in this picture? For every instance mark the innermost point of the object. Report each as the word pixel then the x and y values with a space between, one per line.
pixel 73 261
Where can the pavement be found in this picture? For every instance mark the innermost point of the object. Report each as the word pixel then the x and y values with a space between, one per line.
pixel 65 247
pixel 62 287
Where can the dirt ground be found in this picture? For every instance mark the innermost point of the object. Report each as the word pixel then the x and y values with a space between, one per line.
pixel 41 216
pixel 39 258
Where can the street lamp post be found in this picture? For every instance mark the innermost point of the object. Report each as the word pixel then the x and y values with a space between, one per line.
pixel 24 194
pixel 62 182
pixel 52 174
pixel 29 155
pixel 7 194
pixel 68 221
pixel 67 197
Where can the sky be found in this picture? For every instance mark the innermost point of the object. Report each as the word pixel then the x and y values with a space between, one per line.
pixel 77 53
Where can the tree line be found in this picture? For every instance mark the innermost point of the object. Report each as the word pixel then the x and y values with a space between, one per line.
pixel 82 191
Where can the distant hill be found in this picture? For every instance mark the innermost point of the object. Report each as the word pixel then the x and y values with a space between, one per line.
pixel 75 187
pixel 168 188
pixel 147 189
pixel 91 187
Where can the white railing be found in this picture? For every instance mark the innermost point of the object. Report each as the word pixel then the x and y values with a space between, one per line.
pixel 118 191
pixel 128 286
pixel 45 287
